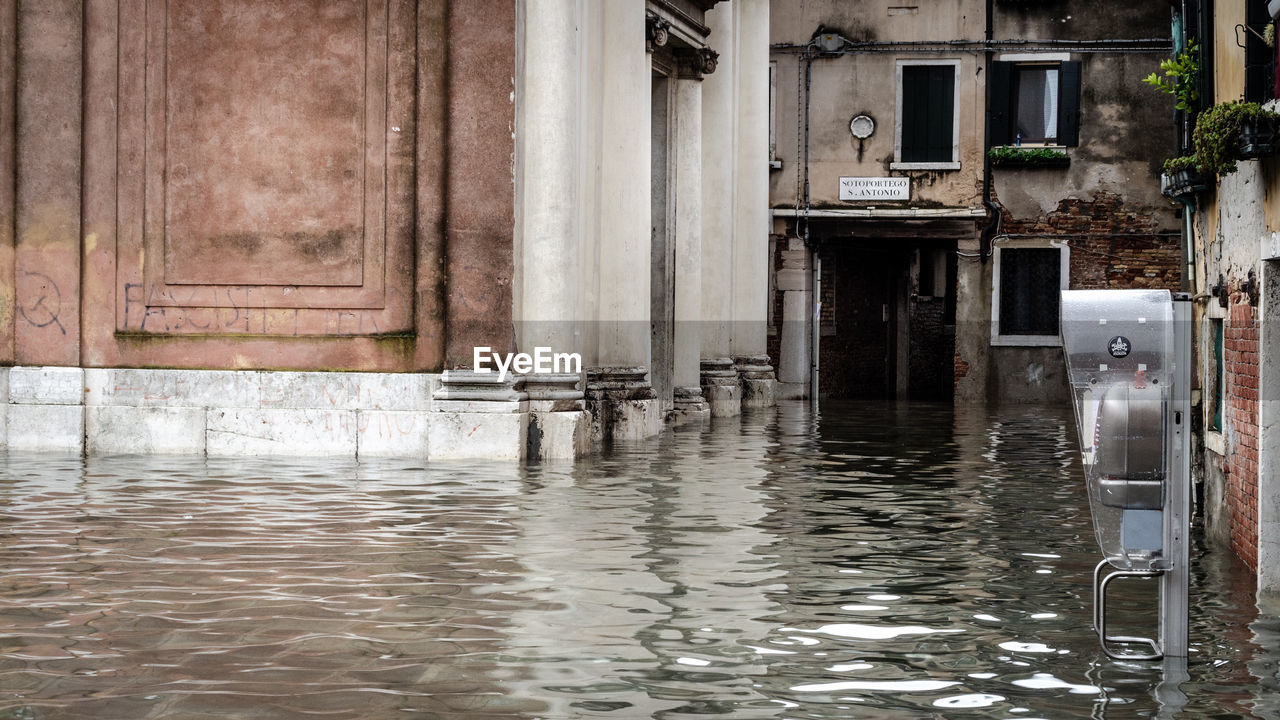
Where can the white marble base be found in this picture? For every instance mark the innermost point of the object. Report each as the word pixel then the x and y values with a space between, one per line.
pixel 477 435
pixel 725 400
pixel 759 393
pixel 4 408
pixel 275 431
pixel 636 419
pixel 46 428
pixel 558 435
pixel 392 433
pixel 123 430
pixel 791 391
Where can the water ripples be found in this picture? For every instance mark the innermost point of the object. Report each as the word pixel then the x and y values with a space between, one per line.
pixel 888 561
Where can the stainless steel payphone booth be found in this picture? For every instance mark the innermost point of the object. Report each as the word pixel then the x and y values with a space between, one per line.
pixel 1129 360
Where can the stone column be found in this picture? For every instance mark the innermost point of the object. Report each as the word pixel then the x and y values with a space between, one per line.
pixel 797 307
pixel 620 395
pixel 548 293
pixel 687 144
pixel 720 385
pixel 751 205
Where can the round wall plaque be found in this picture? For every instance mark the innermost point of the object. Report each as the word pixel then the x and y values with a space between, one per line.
pixel 862 126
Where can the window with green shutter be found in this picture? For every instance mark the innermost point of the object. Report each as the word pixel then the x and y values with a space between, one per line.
pixel 1035 103
pixel 928 113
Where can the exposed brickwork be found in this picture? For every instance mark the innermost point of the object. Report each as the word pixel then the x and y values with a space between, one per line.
pixel 962 368
pixel 1240 341
pixel 1111 247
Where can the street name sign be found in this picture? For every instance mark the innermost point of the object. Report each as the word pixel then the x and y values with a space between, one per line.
pixel 875 188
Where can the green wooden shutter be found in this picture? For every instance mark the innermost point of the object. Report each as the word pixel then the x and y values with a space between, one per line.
pixel 999 84
pixel 915 107
pixel 942 91
pixel 928 97
pixel 1069 104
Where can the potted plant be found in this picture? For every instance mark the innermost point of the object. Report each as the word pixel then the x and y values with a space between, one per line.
pixel 1017 155
pixel 1182 177
pixel 1258 135
pixel 1221 138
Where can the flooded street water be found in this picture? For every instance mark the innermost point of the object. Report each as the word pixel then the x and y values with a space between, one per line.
pixel 883 562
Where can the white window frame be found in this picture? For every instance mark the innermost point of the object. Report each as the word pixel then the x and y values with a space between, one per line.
pixel 1213 439
pixel 1064 279
pixel 954 164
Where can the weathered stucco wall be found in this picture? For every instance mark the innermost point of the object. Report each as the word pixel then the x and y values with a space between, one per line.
pixel 865 82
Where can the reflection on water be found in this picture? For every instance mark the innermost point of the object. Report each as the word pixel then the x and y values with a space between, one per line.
pixel 884 561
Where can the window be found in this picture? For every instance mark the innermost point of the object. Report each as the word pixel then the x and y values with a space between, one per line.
pixel 1259 55
pixel 1029 277
pixel 1216 378
pixel 925 130
pixel 1035 103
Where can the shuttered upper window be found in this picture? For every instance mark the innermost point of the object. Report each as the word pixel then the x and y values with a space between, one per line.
pixel 1035 103
pixel 927 115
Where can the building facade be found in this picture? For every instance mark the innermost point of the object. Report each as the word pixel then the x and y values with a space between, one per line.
pixel 941 171
pixel 308 227
pixel 1236 236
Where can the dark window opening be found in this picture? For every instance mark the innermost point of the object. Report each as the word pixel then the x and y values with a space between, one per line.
pixel 1218 379
pixel 928 113
pixel 1030 283
pixel 1259 57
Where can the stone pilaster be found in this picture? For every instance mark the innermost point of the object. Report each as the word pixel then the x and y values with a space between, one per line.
pixel 749 337
pixel 721 387
pixel 478 415
pixel 689 403
pixel 621 404
pixel 794 282
pixel 759 386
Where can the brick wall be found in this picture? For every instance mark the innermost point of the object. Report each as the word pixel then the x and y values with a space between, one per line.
pixel 1111 247
pixel 1240 341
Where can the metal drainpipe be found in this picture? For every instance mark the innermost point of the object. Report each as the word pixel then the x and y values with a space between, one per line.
pixel 1188 206
pixel 817 328
pixel 984 239
pixel 1189 236
pixel 815 258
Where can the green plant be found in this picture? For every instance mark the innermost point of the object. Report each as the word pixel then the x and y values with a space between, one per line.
pixel 1026 155
pixel 1179 79
pixel 1177 164
pixel 1217 134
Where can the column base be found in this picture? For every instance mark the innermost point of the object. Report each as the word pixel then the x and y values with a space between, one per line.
pixel 478 416
pixel 558 423
pixel 621 404
pixel 690 406
pixel 792 391
pixel 759 386
pixel 721 388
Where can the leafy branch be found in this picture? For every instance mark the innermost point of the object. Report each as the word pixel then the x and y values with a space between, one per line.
pixel 1179 79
